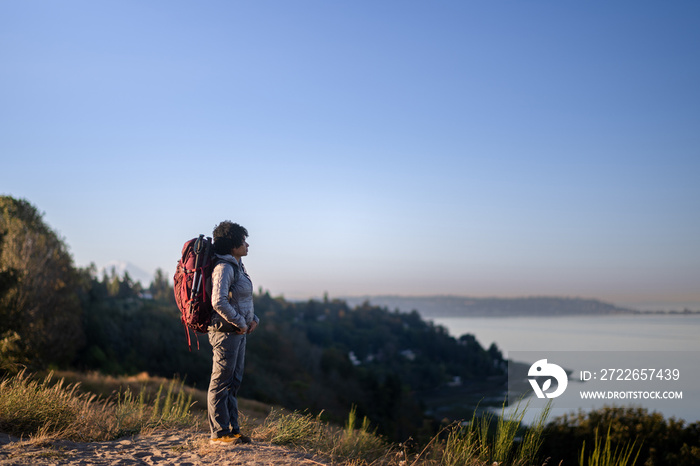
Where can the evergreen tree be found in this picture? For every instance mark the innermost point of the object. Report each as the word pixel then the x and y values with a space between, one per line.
pixel 161 288
pixel 39 306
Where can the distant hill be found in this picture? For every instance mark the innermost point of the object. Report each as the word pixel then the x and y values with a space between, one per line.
pixel 463 306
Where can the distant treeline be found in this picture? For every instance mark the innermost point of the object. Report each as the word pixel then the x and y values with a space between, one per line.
pixel 463 306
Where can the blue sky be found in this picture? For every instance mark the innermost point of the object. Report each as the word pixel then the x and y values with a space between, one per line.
pixel 399 147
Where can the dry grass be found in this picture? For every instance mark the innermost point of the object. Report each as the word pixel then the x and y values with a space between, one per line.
pixel 46 408
pixel 107 386
pixel 352 445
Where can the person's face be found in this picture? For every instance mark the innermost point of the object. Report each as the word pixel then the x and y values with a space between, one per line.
pixel 241 250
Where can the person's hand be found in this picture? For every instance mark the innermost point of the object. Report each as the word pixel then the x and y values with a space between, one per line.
pixel 253 325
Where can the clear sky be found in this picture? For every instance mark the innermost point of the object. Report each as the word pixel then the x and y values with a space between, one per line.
pixel 483 148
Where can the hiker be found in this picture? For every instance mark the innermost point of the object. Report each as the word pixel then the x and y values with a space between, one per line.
pixel 232 320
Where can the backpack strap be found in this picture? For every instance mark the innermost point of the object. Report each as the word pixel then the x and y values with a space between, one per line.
pixel 236 274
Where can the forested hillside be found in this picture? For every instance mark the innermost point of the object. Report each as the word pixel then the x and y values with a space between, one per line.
pixel 462 306
pixel 313 355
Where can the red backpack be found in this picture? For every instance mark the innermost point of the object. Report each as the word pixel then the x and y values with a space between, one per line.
pixel 193 285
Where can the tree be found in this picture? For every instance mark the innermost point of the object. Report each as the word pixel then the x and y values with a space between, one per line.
pixel 39 306
pixel 161 287
pixel 8 319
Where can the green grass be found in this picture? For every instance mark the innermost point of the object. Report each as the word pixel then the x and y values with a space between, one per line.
pixel 480 442
pixel 604 455
pixel 533 438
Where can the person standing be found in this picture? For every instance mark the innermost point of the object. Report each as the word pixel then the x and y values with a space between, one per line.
pixel 232 320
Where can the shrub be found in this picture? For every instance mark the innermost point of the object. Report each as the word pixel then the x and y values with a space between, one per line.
pixel 355 444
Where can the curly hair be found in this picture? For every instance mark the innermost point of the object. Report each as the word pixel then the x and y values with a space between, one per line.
pixel 228 235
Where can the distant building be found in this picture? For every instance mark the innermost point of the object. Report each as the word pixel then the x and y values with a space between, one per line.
pixel 455 382
pixel 353 359
pixel 408 354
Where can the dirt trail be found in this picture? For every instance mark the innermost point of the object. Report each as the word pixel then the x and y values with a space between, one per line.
pixel 183 448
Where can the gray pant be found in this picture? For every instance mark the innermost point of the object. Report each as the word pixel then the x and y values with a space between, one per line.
pixel 226 376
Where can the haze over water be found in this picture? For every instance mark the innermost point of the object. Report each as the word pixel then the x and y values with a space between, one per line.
pixel 658 341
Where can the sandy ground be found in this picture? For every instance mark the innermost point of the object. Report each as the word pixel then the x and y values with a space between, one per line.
pixel 160 448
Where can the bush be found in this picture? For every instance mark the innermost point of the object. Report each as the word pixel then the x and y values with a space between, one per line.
pixel 663 442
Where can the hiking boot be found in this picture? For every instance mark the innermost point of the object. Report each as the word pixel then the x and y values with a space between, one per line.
pixel 223 440
pixel 231 438
pixel 240 438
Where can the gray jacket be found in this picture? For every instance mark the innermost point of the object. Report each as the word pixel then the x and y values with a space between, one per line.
pixel 231 296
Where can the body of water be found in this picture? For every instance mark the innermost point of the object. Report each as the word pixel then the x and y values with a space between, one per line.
pixel 672 341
